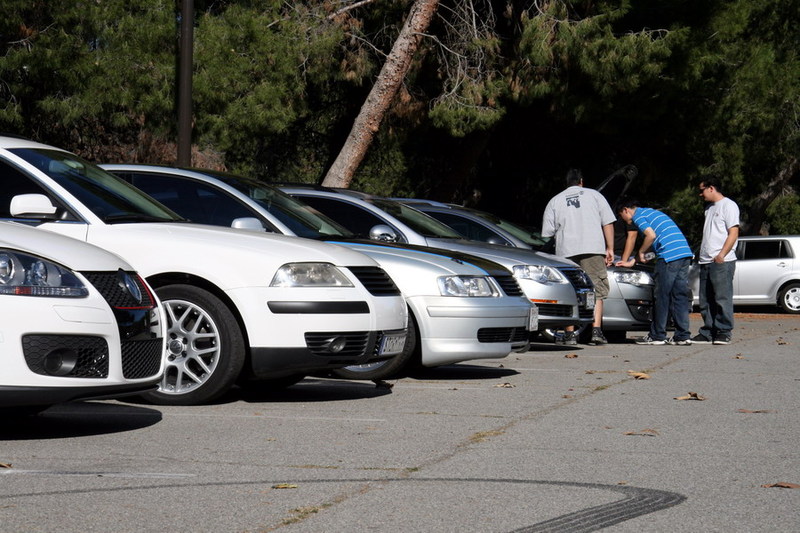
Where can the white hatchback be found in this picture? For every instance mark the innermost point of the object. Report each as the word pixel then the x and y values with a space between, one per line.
pixel 78 323
pixel 238 305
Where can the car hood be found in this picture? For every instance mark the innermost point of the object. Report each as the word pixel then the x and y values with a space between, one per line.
pixel 504 255
pixel 72 253
pixel 447 261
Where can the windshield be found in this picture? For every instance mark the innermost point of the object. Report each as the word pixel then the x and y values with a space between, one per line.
pixel 423 224
pixel 526 235
pixel 302 219
pixel 107 196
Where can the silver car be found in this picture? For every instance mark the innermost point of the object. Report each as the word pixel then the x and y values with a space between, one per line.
pixel 560 288
pixel 461 307
pixel 630 298
pixel 767 272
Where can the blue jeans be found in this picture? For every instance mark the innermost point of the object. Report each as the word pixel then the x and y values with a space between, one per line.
pixel 716 299
pixel 671 295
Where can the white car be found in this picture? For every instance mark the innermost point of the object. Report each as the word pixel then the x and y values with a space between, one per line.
pixel 237 304
pixel 767 272
pixel 461 307
pixel 78 323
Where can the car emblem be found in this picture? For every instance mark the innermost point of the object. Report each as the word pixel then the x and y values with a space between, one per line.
pixel 128 284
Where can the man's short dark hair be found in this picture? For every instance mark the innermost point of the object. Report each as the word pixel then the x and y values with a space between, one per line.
pixel 574 177
pixel 711 181
pixel 625 201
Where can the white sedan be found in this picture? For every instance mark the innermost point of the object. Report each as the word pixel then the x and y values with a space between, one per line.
pixel 78 323
pixel 238 305
pixel 461 307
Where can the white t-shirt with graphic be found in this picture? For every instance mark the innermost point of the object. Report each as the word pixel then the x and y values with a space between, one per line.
pixel 576 217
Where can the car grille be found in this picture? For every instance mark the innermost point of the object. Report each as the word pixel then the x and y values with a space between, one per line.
pixel 554 310
pixel 376 281
pixel 108 284
pixel 577 277
pixel 357 343
pixel 141 359
pixel 502 334
pixel 509 285
pixel 73 356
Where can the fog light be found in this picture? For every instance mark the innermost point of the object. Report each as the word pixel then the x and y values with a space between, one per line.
pixel 337 344
pixel 60 362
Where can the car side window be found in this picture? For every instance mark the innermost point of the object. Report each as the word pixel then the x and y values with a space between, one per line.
pixel 755 250
pixel 470 229
pixel 195 201
pixel 13 181
pixel 353 217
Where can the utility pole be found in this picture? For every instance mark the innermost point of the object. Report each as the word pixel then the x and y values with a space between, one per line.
pixel 185 48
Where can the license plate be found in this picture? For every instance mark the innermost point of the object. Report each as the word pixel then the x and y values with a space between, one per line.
pixel 588 298
pixel 391 345
pixel 533 318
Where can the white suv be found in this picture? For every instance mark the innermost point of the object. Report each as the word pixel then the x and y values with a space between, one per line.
pixel 237 304
pixel 78 323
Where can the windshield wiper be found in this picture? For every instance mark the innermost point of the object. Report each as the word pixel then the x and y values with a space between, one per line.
pixel 137 217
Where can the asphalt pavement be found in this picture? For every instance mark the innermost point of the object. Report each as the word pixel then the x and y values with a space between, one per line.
pixel 556 439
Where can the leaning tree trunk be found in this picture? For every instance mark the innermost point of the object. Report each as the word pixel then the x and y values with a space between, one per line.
pixel 380 97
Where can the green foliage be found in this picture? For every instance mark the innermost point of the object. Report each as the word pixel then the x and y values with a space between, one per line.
pixel 783 215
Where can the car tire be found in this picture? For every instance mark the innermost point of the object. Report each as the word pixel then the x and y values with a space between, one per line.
pixel 789 298
pixel 205 347
pixel 391 367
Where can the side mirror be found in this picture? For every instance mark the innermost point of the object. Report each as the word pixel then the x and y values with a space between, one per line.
pixel 32 206
pixel 248 223
pixel 497 240
pixel 382 233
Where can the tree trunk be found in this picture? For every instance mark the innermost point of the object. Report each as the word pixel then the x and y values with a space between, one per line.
pixel 380 97
pixel 759 207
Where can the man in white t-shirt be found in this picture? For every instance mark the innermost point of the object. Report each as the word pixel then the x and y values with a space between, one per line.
pixel 583 225
pixel 717 260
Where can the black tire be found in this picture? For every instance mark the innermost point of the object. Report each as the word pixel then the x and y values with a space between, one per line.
pixel 205 347
pixel 391 367
pixel 616 336
pixel 789 298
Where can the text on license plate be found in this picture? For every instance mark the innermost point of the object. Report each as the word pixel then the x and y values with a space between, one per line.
pixel 392 344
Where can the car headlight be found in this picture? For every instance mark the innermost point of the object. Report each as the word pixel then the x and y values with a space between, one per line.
pixel 539 273
pixel 633 277
pixel 309 275
pixel 467 286
pixel 27 275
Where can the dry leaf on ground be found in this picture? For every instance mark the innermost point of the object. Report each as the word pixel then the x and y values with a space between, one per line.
pixel 638 375
pixel 690 396
pixel 782 485
pixel 5 465
pixel 505 386
pixel 284 486
pixel 781 340
pixel 571 356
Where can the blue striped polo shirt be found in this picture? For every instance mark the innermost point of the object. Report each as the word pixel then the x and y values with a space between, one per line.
pixel 670 244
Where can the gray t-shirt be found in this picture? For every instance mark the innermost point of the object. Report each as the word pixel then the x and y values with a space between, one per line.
pixel 576 217
pixel 720 217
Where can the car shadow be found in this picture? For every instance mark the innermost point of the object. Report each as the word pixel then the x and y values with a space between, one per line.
pixel 462 371
pixel 79 419
pixel 310 389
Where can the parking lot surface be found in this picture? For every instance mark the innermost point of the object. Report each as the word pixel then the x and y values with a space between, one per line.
pixel 555 439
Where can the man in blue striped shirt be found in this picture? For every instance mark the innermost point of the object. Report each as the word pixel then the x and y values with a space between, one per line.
pixel 671 276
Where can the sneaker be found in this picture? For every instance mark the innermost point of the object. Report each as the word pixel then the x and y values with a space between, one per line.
pixel 647 339
pixel 571 338
pixel 597 337
pixel 700 339
pixel 722 339
pixel 681 342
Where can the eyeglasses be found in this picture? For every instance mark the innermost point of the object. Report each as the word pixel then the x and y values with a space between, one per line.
pixel 702 189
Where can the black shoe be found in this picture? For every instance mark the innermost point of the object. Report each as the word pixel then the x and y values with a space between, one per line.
pixel 700 339
pixel 597 337
pixel 571 338
pixel 722 339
